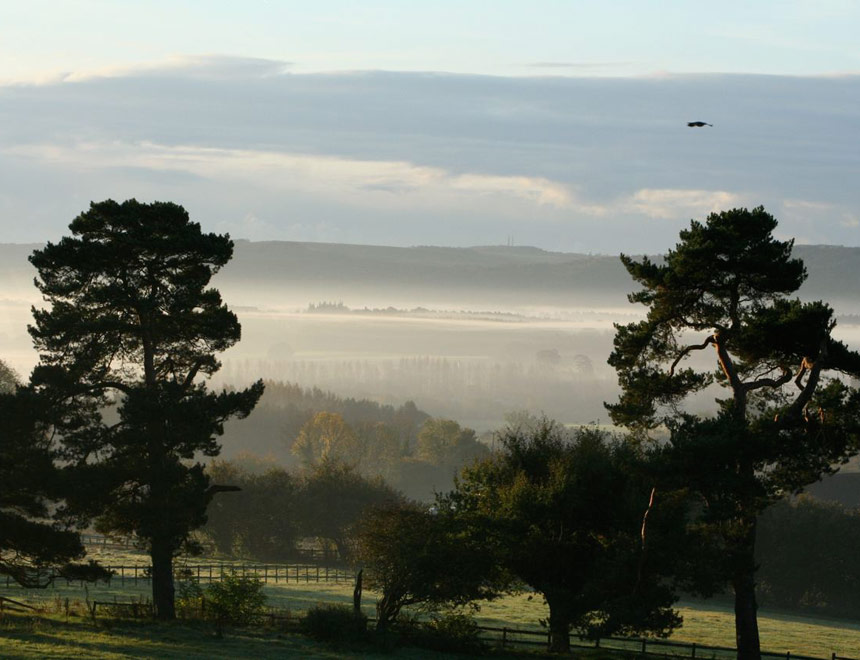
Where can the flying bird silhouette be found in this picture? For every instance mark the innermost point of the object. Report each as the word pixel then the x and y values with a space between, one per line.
pixel 698 124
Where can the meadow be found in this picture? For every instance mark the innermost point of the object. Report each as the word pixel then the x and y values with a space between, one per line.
pixel 705 623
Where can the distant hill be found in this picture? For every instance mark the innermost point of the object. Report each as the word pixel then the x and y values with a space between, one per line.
pixel 490 275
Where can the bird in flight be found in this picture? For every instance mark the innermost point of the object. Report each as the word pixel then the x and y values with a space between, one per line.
pixel 698 124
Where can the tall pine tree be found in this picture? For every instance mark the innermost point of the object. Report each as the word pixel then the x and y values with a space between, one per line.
pixel 132 324
pixel 783 421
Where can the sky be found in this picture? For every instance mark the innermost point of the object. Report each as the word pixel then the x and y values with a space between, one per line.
pixel 559 124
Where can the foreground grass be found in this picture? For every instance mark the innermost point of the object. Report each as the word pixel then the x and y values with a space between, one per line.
pixel 708 623
pixel 30 637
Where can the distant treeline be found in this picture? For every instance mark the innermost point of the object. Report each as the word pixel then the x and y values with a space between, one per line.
pixel 295 427
pixel 326 307
pixel 807 551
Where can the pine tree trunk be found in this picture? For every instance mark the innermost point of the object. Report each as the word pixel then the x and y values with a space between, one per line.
pixel 746 607
pixel 162 582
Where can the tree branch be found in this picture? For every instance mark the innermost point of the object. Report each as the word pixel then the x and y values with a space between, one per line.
pixel 108 384
pixel 769 382
pixel 688 350
pixel 192 374
pixel 798 406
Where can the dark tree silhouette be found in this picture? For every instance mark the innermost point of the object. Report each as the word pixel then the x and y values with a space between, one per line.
pixel 131 324
pixel 563 513
pixel 782 425
pixel 37 543
pixel 417 558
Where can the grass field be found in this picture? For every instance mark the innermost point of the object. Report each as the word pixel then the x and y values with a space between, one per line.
pixel 30 638
pixel 708 624
pixel 704 623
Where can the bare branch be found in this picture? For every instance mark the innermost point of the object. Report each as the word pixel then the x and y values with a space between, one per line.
pixel 192 374
pixel 798 406
pixel 689 349
pixel 769 382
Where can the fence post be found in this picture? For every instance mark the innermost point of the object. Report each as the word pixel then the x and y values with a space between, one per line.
pixel 122 574
pixel 693 654
pixel 504 637
pixel 644 642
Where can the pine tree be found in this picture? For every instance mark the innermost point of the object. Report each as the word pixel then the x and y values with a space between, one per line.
pixel 131 325
pixel 785 419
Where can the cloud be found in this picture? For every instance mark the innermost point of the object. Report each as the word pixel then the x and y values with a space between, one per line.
pixel 674 204
pixel 427 157
pixel 199 67
pixel 308 173
pixel 580 66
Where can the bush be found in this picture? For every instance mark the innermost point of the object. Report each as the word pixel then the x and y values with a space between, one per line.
pixel 189 600
pixel 235 599
pixel 451 631
pixel 334 623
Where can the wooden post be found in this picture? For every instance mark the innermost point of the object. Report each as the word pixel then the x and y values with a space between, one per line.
pixel 693 654
pixel 643 646
pixel 504 637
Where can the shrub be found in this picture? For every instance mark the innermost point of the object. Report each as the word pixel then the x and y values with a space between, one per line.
pixel 189 599
pixel 334 623
pixel 452 631
pixel 235 599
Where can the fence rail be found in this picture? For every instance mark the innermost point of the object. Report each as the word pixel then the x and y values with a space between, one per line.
pixel 268 573
pixel 127 543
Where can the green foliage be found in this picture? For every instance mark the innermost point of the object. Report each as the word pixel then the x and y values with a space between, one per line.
pixel 563 513
pixel 335 623
pixel 444 442
pixel 451 632
pixel 130 325
pixel 327 437
pixel 784 421
pixel 808 556
pixel 235 599
pixel 9 380
pixel 333 499
pixel 259 521
pixel 38 540
pixel 427 559
pixel 189 599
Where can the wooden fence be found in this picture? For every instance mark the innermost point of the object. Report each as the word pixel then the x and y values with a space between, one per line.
pixel 302 554
pixel 268 573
